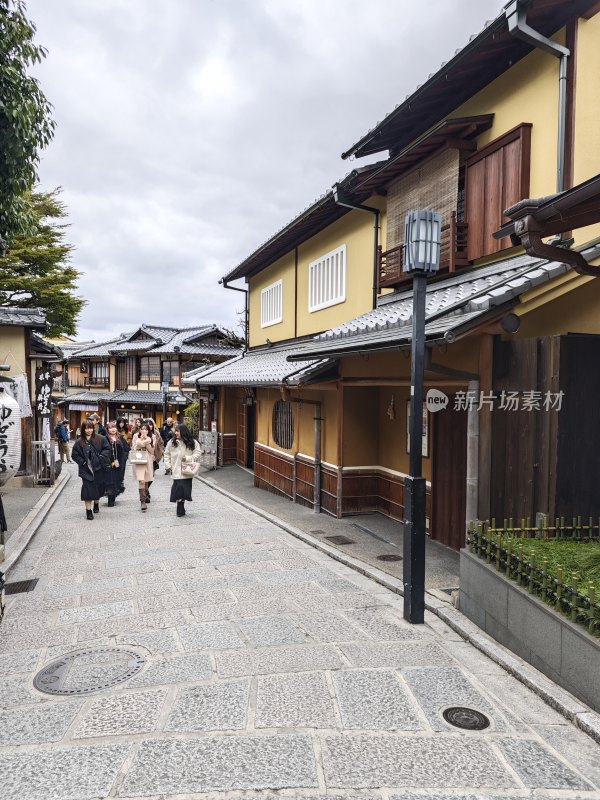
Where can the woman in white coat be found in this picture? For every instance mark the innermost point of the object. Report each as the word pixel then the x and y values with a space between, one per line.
pixel 182 447
pixel 143 443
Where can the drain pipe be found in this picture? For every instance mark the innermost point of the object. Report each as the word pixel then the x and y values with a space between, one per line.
pixel 224 283
pixel 342 201
pixel 516 13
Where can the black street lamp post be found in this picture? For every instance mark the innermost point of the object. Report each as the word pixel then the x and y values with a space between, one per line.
pixel 421 256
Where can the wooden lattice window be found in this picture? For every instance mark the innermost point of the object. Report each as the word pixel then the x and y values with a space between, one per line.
pixel 150 368
pixel 283 424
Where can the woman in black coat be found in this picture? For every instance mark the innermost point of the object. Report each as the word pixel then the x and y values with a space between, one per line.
pixel 92 453
pixel 123 431
pixel 118 458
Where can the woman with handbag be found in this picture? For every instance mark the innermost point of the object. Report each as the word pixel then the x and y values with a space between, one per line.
pixel 159 450
pixel 142 458
pixel 92 453
pixel 118 454
pixel 182 457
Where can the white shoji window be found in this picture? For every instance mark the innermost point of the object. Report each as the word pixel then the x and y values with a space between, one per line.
pixel 271 304
pixel 327 280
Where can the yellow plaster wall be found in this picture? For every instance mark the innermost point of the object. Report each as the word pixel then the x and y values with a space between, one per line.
pixel 361 427
pixel 283 270
pixel 527 92
pixel 577 311
pixel 587 97
pixel 355 230
pixel 12 349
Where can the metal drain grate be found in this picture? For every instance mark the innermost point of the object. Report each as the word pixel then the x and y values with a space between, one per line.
pixel 389 557
pixel 87 671
pixel 19 587
pixel 339 540
pixel 467 719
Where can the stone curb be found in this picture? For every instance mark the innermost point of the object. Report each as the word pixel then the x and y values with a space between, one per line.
pixel 28 527
pixel 559 699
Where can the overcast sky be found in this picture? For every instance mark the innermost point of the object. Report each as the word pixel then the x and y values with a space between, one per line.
pixel 190 131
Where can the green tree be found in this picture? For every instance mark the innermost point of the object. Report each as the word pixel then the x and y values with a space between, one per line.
pixel 26 125
pixel 36 271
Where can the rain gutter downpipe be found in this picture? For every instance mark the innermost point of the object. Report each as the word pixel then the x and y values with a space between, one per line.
pixel 516 13
pixel 224 283
pixel 340 200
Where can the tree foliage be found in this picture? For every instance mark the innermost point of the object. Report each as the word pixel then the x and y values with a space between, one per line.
pixel 26 125
pixel 36 271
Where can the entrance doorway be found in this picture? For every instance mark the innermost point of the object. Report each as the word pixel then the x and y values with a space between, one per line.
pixel 449 477
pixel 250 435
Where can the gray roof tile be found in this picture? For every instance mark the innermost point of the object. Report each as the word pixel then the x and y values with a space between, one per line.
pixel 23 317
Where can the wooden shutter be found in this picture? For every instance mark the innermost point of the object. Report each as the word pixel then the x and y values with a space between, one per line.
pixel 497 178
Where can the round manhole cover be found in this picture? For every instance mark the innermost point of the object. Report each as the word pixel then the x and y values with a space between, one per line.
pixel 389 557
pixel 466 718
pixel 86 671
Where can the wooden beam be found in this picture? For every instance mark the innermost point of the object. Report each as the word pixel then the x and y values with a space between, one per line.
pixel 486 366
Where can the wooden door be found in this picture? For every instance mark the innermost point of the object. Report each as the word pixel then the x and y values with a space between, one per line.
pixel 449 479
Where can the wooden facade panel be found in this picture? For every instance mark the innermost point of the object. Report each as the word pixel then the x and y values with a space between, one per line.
pixel 493 207
pixel 475 202
pixel 227 449
pixel 329 490
pixel 305 482
pixel 273 472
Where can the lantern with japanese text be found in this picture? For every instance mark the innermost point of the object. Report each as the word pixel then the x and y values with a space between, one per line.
pixel 10 436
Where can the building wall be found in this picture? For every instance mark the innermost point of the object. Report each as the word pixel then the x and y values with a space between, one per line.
pixel 283 269
pixel 527 92
pixel 12 349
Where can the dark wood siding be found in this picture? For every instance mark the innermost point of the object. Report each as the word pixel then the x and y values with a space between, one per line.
pixel 497 178
pixel 448 523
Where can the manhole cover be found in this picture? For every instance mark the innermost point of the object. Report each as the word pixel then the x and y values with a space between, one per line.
pixel 389 557
pixel 466 718
pixel 86 671
pixel 339 540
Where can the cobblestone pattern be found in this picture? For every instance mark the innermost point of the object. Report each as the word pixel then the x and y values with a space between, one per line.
pixel 268 667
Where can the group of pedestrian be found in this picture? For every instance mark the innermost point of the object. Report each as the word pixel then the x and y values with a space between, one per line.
pixel 102 455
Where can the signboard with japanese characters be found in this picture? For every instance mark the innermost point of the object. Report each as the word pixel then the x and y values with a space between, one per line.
pixel 10 436
pixel 43 391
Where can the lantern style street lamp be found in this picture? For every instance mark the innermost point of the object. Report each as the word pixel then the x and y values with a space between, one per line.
pixel 421 256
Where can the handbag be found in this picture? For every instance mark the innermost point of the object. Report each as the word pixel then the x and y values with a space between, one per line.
pixel 189 468
pixel 138 456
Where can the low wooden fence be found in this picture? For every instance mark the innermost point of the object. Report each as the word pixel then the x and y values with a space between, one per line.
pixel 506 548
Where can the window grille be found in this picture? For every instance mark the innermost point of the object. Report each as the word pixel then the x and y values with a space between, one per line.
pixel 327 280
pixel 150 369
pixel 99 373
pixel 271 304
pixel 283 424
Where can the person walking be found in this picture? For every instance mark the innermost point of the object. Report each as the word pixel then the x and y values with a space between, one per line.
pixel 126 436
pixel 159 449
pixel 118 457
pixel 166 433
pixel 96 422
pixel 143 443
pixel 62 434
pixel 182 458
pixel 91 452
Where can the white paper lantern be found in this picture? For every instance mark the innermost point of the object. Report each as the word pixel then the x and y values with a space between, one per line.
pixel 10 436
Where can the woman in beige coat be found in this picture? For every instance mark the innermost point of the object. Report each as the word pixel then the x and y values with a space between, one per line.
pixel 181 446
pixel 143 473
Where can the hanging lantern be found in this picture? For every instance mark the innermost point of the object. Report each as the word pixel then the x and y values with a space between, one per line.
pixel 10 436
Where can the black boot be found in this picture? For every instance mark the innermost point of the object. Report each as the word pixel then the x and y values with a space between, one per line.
pixel 180 509
pixel 143 499
pixel 148 485
pixel 96 508
pixel 89 513
pixel 111 500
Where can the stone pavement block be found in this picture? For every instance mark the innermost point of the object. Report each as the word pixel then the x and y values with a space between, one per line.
pixel 294 701
pixel 265 631
pixel 213 707
pixel 76 773
pixel 383 625
pixel 520 700
pixel 239 558
pixel 437 689
pixel 335 585
pixel 221 763
pixel 29 640
pixel 171 670
pixel 538 768
pixel 233 664
pixel 122 714
pixel 333 627
pixel 298 576
pixel 249 567
pixel 581 751
pixel 129 593
pixel 341 600
pixel 16 623
pixel 396 654
pixel 24 661
pixel 164 640
pixel 210 636
pixel 261 591
pixel 42 723
pixel 373 699
pixel 70 616
pixel 120 625
pixel 216 581
pixel 162 602
pixel 234 611
pixel 445 762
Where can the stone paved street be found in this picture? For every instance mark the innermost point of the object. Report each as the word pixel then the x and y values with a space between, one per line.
pixel 268 666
